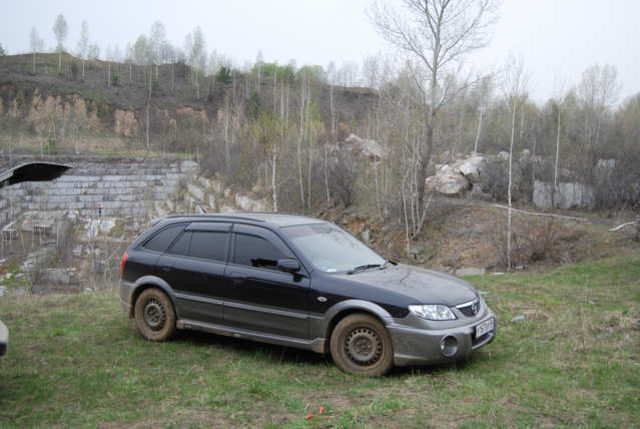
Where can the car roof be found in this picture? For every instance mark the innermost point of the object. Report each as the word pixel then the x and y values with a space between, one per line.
pixel 274 219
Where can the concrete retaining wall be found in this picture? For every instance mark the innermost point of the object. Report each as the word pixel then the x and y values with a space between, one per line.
pixel 91 187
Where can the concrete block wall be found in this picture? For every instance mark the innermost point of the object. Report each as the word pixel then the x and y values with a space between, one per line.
pixel 122 189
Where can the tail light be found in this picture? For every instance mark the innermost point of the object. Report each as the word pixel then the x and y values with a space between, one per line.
pixel 123 262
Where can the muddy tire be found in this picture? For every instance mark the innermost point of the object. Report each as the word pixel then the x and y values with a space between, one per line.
pixel 155 316
pixel 361 345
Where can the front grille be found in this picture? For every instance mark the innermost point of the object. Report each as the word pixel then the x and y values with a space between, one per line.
pixel 470 309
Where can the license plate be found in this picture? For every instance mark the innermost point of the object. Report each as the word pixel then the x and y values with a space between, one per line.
pixel 484 327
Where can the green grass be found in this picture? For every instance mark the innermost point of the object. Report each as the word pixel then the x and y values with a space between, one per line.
pixel 76 361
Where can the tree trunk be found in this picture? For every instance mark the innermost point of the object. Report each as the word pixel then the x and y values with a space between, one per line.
pixel 478 131
pixel 275 92
pixel 555 170
pixel 326 175
pixel 173 77
pixel 332 109
pixel 310 138
pixel 147 125
pixel 274 190
pixel 227 152
pixel 423 165
pixel 509 196
pixel 299 146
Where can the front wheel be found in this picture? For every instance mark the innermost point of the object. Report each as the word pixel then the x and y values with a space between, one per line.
pixel 155 316
pixel 361 345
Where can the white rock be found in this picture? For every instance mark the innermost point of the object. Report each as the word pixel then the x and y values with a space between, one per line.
pixel 211 200
pixel 216 185
pixel 367 147
pixel 204 182
pixel 104 225
pixel 470 271
pixel 471 168
pixel 503 155
pixel 248 204
pixel 227 209
pixel 447 182
pixel 196 191
pixel 567 195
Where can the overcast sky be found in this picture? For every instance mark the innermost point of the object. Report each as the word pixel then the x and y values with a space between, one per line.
pixel 558 38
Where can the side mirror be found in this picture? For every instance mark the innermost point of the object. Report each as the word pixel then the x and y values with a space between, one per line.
pixel 288 265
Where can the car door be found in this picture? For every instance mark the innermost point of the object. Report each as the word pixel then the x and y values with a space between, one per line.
pixel 196 264
pixel 261 297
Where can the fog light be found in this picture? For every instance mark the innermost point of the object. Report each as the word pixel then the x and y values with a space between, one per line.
pixel 449 346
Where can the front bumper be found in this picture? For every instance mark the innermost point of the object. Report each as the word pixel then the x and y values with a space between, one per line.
pixel 4 339
pixel 414 344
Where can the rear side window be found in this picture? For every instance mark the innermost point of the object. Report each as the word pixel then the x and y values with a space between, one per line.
pixel 161 241
pixel 255 251
pixel 181 246
pixel 210 245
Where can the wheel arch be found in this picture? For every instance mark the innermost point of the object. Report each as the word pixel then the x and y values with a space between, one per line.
pixel 148 282
pixel 346 308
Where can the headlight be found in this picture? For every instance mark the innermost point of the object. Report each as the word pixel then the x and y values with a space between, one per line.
pixel 432 312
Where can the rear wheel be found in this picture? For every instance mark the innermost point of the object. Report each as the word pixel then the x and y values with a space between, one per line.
pixel 361 345
pixel 155 316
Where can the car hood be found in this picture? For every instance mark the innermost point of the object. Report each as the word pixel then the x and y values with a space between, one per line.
pixel 424 286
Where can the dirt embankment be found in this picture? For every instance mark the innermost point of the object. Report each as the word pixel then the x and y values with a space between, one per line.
pixel 461 234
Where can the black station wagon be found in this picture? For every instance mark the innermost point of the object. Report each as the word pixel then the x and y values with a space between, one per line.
pixel 300 282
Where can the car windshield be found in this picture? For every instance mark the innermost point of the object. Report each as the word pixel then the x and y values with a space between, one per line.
pixel 331 249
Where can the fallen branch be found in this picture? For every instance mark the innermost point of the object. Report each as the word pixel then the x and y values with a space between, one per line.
pixel 619 227
pixel 574 218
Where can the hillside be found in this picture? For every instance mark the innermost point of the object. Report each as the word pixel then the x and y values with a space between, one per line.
pixel 111 100
pixel 76 361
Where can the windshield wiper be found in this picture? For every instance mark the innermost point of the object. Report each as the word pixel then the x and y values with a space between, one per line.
pixel 365 267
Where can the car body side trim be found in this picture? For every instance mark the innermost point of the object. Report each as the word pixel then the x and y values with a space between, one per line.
pixel 190 297
pixel 269 310
pixel 261 309
pixel 316 345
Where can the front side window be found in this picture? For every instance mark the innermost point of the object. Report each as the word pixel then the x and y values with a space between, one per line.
pixel 254 251
pixel 162 240
pixel 330 249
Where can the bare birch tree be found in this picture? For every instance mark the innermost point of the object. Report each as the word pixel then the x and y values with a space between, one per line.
pixel 157 41
pixel 60 29
pixel 197 57
pixel 484 93
pixel 436 35
pixel 83 44
pixel 36 44
pixel 515 87
pixel 598 90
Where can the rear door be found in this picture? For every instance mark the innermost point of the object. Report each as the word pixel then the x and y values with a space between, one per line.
pixel 196 263
pixel 261 297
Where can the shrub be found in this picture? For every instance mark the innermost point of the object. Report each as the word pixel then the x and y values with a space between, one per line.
pixel 534 241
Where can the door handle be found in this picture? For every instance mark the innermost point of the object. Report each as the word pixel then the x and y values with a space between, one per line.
pixel 165 268
pixel 237 278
